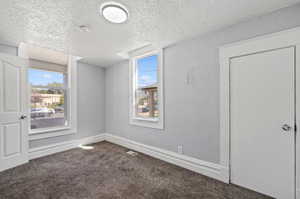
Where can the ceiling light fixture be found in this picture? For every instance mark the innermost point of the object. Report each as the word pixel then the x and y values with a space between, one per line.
pixel 114 12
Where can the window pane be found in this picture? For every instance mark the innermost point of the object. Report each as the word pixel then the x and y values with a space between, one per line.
pixel 146 87
pixel 48 99
pixel 45 78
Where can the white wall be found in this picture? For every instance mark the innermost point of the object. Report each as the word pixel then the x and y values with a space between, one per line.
pixel 191 111
pixel 8 49
pixel 91 111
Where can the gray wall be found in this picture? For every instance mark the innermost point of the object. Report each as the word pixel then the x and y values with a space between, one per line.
pixel 191 111
pixel 91 111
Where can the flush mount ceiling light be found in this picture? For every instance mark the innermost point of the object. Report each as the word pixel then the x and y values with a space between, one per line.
pixel 114 12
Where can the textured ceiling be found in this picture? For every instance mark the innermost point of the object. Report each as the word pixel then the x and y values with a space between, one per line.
pixel 54 23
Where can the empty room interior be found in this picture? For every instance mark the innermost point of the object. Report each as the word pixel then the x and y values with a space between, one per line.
pixel 149 99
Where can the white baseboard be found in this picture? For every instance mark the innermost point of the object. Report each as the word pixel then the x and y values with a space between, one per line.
pixel 209 169
pixel 63 146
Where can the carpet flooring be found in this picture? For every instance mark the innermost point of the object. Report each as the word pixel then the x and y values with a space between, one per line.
pixel 108 172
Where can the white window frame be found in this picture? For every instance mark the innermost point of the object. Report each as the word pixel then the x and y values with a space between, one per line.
pixel 71 90
pixel 71 100
pixel 139 121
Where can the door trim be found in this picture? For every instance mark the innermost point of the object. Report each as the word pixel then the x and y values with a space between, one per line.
pixel 283 39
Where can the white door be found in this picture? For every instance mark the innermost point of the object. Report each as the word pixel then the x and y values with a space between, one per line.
pixel 13 111
pixel 262 117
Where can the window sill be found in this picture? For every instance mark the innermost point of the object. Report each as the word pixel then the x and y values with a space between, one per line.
pixel 148 123
pixel 50 132
pixel 47 130
pixel 145 119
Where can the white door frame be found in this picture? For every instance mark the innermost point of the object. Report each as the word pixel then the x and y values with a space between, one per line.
pixel 268 42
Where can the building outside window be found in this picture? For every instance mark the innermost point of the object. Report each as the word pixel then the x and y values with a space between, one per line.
pixel 48 98
pixel 147 87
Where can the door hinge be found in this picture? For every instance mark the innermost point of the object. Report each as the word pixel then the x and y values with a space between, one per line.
pixel 295 127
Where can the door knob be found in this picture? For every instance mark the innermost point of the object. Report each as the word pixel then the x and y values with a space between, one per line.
pixel 23 117
pixel 286 127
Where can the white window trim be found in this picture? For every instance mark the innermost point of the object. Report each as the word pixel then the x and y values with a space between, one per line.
pixel 72 102
pixel 144 122
pixel 71 111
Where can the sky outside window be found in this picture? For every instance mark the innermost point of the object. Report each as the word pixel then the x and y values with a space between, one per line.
pixel 147 71
pixel 43 77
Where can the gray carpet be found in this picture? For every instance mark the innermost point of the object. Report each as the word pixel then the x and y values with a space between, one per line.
pixel 107 172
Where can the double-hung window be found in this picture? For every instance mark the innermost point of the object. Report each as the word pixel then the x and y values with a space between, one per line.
pixel 52 93
pixel 146 103
pixel 51 100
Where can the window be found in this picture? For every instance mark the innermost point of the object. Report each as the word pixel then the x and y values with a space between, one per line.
pixel 48 99
pixel 52 97
pixel 146 104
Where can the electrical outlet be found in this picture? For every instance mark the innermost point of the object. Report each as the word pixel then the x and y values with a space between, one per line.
pixel 180 149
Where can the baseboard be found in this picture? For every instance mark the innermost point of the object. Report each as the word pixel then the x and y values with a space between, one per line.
pixel 63 146
pixel 209 169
